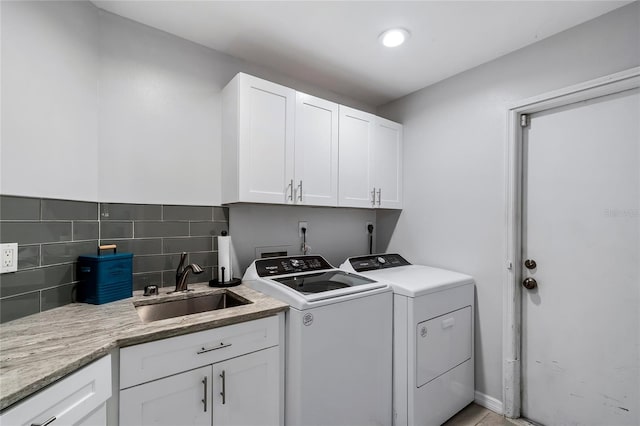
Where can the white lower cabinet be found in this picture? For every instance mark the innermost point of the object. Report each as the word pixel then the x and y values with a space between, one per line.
pixel 78 399
pixel 236 379
pixel 245 390
pixel 182 399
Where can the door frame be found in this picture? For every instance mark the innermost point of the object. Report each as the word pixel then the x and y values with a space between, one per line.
pixel 512 302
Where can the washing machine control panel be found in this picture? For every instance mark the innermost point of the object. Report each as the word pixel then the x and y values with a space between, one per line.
pixel 377 261
pixel 289 265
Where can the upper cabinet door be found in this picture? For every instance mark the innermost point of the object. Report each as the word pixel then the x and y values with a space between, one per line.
pixel 316 151
pixel 356 130
pixel 387 164
pixel 257 141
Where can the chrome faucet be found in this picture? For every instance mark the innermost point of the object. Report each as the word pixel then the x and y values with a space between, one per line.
pixel 181 273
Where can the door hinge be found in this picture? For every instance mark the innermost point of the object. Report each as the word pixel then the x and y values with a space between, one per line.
pixel 524 120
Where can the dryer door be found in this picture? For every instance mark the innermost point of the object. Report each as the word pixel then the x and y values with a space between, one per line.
pixel 442 343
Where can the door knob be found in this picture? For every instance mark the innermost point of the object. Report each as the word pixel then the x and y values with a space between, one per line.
pixel 529 283
pixel 530 264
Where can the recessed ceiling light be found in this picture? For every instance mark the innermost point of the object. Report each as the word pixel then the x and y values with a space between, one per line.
pixel 394 37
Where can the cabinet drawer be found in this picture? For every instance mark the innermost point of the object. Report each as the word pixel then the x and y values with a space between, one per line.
pixel 150 361
pixel 68 400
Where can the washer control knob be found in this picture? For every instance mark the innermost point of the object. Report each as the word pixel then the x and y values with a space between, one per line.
pixel 382 260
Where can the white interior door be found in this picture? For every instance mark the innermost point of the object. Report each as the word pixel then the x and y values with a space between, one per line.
pixel 581 225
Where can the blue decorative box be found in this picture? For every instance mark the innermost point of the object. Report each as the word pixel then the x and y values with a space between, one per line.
pixel 105 278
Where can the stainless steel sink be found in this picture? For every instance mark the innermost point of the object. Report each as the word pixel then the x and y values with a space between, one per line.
pixel 192 304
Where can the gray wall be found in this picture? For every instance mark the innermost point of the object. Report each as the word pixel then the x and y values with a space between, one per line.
pixel 335 233
pixel 49 104
pixel 99 108
pixel 454 161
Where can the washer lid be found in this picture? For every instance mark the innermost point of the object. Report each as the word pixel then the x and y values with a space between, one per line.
pixel 417 280
pixel 322 281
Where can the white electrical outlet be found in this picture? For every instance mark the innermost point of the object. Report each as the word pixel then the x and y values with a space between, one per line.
pixel 302 225
pixel 9 257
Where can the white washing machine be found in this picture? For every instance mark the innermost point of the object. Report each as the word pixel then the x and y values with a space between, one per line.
pixel 338 352
pixel 433 323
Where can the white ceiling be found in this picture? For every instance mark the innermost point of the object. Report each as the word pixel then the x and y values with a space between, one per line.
pixel 334 44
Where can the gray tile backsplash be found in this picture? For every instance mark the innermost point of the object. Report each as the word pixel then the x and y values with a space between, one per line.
pixel 86 230
pixel 35 279
pixel 66 252
pixel 34 232
pixel 52 233
pixel 161 229
pixel 28 257
pixel 119 211
pixel 116 229
pixel 136 246
pixel 19 306
pixel 178 245
pixel 64 210
pixel 19 208
pixel 209 228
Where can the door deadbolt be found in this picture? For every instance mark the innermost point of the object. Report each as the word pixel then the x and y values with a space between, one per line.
pixel 530 264
pixel 529 283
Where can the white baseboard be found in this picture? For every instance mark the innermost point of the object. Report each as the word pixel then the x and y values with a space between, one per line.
pixel 489 402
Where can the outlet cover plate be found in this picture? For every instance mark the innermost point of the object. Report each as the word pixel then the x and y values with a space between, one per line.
pixel 8 257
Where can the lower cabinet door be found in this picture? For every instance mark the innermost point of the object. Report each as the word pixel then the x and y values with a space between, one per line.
pixel 183 399
pixel 246 390
pixel 96 418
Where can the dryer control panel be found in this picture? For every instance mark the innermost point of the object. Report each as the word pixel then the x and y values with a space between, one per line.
pixel 289 265
pixel 377 261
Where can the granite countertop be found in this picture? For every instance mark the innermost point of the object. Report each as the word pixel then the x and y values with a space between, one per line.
pixel 37 350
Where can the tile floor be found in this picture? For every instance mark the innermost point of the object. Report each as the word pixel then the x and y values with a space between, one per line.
pixel 475 415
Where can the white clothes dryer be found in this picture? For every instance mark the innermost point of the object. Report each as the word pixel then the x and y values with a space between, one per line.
pixel 433 347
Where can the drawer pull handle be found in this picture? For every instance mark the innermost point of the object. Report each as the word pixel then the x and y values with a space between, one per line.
pixel 215 348
pixel 449 322
pixel 204 400
pixel 224 391
pixel 48 422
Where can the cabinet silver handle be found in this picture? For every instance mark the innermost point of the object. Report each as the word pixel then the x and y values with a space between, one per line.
pixel 291 188
pixel 224 391
pixel 373 194
pixel 300 194
pixel 215 348
pixel 379 196
pixel 47 422
pixel 204 400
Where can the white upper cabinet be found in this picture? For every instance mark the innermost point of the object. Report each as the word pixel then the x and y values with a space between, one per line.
pixel 316 151
pixel 257 141
pixel 370 161
pixel 356 139
pixel 280 146
pixel 386 163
